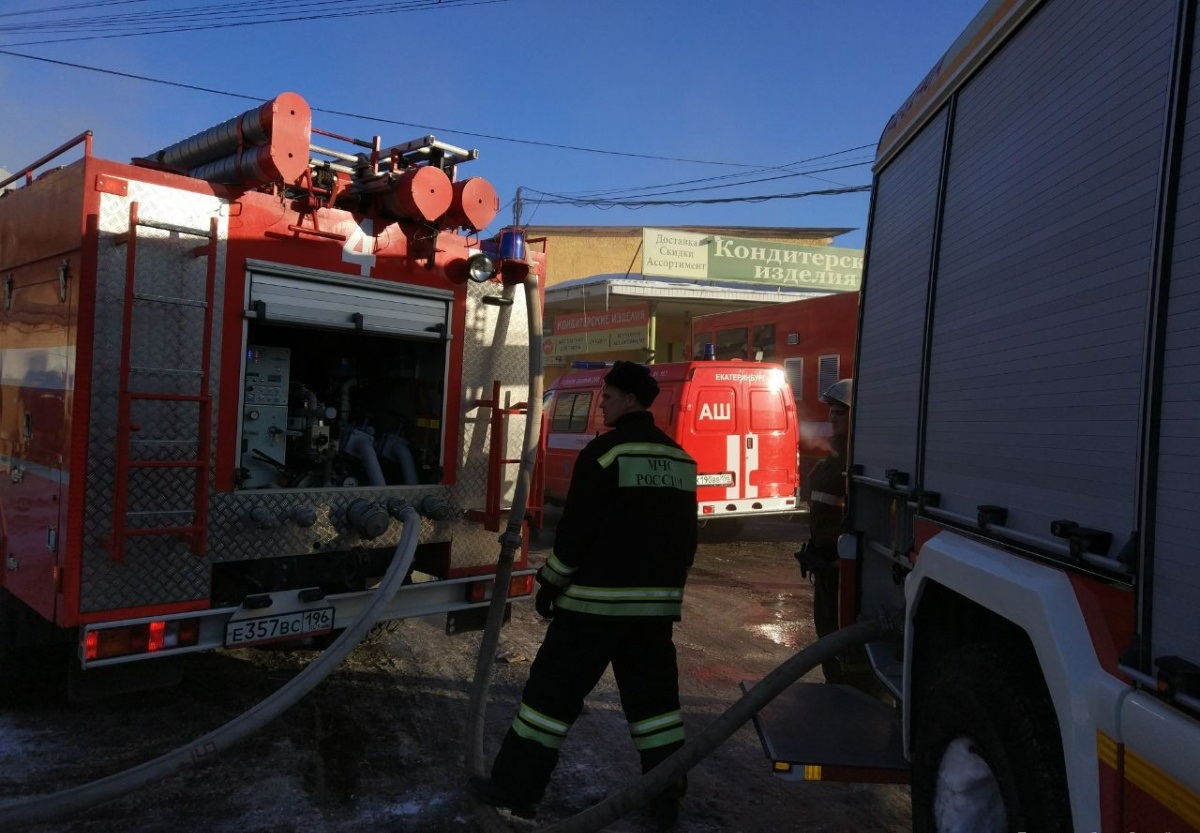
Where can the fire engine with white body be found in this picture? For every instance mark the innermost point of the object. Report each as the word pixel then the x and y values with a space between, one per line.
pixel 1024 435
pixel 226 368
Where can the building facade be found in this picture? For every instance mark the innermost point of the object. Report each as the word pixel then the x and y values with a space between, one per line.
pixel 630 292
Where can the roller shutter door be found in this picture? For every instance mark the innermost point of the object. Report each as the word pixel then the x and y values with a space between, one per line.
pixel 331 303
pixel 1176 556
pixel 1041 292
pixel 894 297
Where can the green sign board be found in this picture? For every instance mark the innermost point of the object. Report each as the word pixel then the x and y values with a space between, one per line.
pixel 710 257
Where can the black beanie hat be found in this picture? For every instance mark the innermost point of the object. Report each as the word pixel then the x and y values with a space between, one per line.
pixel 634 378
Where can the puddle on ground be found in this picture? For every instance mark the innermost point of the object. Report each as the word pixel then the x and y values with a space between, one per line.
pixel 780 619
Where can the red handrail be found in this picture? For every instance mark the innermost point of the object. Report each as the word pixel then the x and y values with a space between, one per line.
pixel 27 172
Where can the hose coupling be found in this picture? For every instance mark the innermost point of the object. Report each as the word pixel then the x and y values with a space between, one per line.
pixel 367 519
pixel 435 508
pixel 263 518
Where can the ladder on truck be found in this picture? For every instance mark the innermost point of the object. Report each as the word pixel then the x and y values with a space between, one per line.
pixel 187 389
pixel 490 515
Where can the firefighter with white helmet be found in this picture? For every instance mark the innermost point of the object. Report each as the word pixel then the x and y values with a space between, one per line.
pixel 826 491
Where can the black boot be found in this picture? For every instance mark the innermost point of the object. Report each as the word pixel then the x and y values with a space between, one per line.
pixel 485 791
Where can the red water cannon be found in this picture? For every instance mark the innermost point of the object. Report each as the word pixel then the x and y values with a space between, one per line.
pixel 265 145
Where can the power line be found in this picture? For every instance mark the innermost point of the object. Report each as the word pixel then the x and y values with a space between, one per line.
pixel 144 25
pixel 379 119
pixel 605 204
pixel 73 7
pixel 627 190
pixel 726 184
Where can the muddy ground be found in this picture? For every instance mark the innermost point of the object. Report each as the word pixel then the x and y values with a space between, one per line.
pixel 378 745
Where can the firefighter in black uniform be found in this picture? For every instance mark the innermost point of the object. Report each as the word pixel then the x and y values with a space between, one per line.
pixel 826 487
pixel 613 589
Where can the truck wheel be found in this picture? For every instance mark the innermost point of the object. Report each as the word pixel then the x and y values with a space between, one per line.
pixel 987 757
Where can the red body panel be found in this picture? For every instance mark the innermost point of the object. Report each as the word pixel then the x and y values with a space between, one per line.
pixel 735 418
pixel 798 335
pixel 48 344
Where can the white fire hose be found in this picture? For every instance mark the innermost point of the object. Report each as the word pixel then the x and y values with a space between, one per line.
pixel 76 799
pixel 697 749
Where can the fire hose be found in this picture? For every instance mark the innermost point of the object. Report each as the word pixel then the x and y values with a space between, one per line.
pixel 720 730
pixel 70 801
pixel 673 768
pixel 67 802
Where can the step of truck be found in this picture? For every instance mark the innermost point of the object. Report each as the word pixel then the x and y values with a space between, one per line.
pixel 824 732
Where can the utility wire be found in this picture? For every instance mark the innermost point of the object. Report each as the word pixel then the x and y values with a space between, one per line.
pixel 723 185
pixel 219 12
pixel 548 197
pixel 73 7
pixel 379 119
pixel 412 5
pixel 627 191
pixel 605 204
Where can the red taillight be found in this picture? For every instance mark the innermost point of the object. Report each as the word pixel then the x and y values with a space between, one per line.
pixel 157 632
pixel 106 643
pixel 189 631
pixel 708 509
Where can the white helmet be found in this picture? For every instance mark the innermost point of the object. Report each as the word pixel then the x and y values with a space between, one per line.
pixel 838 393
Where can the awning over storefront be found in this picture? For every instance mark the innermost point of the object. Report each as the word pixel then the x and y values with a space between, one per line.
pixel 673 297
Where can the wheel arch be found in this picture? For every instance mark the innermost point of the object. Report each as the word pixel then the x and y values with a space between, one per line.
pixel 963 591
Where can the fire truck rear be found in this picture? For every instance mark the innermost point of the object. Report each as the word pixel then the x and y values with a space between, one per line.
pixel 227 368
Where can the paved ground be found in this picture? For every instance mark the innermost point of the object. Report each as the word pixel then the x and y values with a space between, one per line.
pixel 378 746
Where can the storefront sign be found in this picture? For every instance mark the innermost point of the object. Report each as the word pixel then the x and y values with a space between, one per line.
pixel 674 254
pixel 584 333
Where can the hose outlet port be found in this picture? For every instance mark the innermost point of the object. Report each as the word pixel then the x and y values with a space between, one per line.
pixel 367 519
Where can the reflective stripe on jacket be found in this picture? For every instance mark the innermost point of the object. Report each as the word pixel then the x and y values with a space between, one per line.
pixel 627 536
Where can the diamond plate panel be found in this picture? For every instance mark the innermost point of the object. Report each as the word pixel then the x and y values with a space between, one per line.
pixel 496 348
pixel 159 569
pixel 167 328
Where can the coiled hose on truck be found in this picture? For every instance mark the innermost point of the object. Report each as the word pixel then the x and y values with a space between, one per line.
pixel 697 749
pixel 70 801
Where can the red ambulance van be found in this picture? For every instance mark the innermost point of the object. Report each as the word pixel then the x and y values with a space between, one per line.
pixel 736 418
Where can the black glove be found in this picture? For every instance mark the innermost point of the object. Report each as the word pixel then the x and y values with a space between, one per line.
pixel 814 557
pixel 544 601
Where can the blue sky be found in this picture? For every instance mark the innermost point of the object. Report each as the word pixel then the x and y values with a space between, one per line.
pixel 753 82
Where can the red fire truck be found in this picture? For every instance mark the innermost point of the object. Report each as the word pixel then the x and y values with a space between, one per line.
pixel 737 419
pixel 223 368
pixel 1025 432
pixel 812 338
